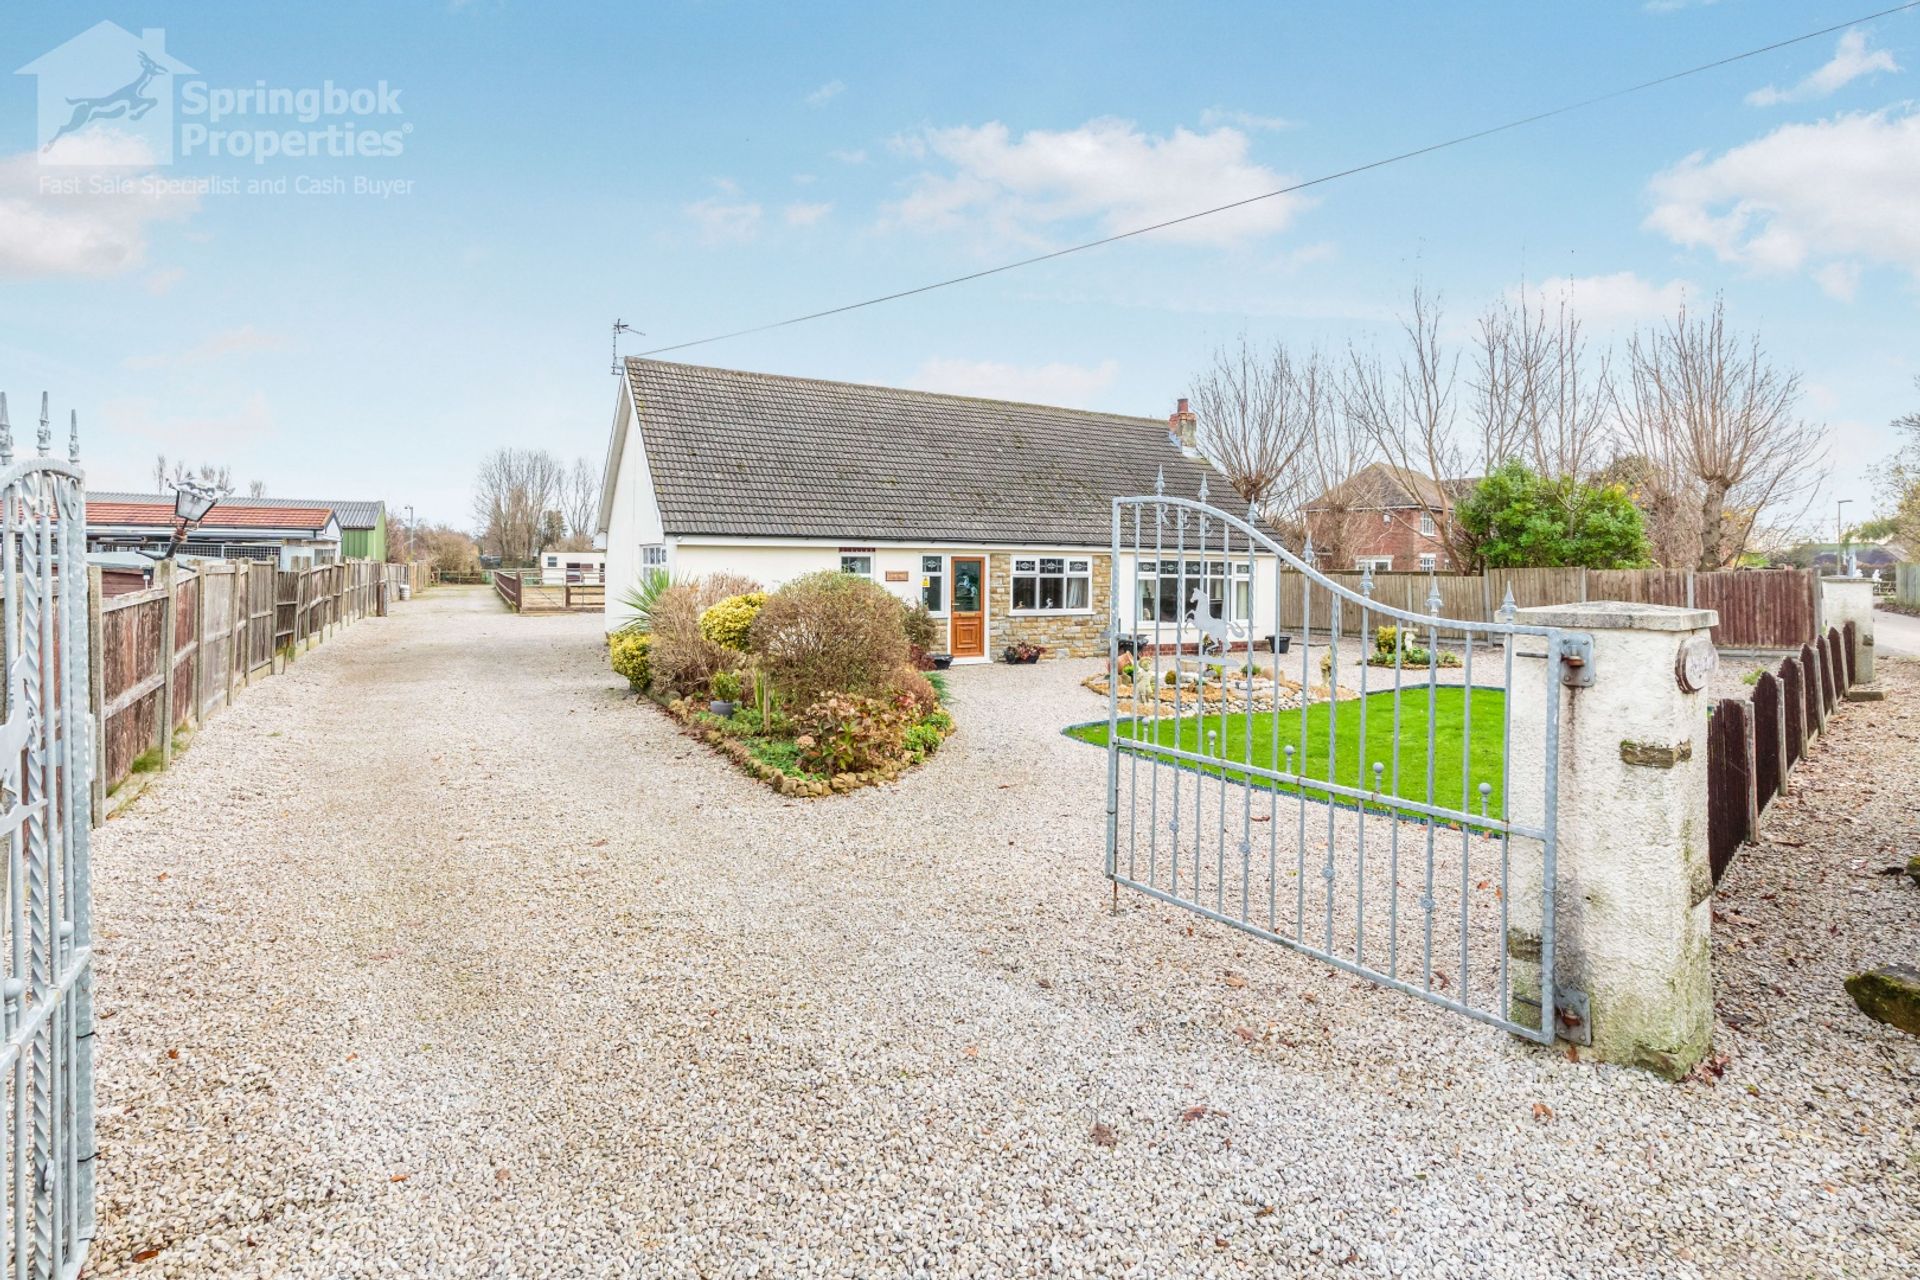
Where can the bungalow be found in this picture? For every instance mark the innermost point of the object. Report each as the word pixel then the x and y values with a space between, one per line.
pixel 290 537
pixel 996 515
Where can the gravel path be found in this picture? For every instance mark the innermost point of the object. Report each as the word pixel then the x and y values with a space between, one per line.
pixel 438 957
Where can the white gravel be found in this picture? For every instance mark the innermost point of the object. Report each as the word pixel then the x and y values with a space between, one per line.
pixel 439 957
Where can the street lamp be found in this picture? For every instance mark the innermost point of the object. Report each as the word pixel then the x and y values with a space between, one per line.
pixel 1840 535
pixel 191 502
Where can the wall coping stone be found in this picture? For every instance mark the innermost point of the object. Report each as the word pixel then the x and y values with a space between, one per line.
pixel 1618 615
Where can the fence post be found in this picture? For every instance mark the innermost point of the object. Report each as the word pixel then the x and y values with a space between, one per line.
pixel 163 723
pixel 96 690
pixel 1632 878
pixel 199 692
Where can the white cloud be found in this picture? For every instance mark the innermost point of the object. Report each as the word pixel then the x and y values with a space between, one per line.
pixel 1072 385
pixel 826 93
pixel 88 217
pixel 160 283
pixel 1802 197
pixel 721 221
pixel 1851 60
pixel 228 342
pixel 849 157
pixel 1107 170
pixel 1213 116
pixel 1621 300
pixel 802 214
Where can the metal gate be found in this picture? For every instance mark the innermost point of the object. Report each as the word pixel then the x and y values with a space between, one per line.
pixel 1393 817
pixel 45 769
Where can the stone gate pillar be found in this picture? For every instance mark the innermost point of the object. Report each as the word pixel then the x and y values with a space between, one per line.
pixel 1845 600
pixel 1631 912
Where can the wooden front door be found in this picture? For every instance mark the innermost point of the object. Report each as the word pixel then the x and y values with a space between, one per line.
pixel 967 617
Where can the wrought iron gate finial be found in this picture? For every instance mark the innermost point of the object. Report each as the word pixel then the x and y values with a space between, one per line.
pixel 73 437
pixel 1160 481
pixel 1366 579
pixel 1203 488
pixel 1433 595
pixel 1508 609
pixel 45 437
pixel 6 434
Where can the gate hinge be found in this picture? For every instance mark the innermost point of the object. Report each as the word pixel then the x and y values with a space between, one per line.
pixel 1571 1019
pixel 1576 661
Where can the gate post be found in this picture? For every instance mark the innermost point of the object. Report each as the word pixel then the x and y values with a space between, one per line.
pixel 1630 902
pixel 1845 600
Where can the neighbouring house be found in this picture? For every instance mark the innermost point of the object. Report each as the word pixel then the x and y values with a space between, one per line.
pixel 559 568
pixel 291 537
pixel 1387 519
pixel 363 523
pixel 997 516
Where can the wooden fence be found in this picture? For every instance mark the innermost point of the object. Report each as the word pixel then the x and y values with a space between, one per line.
pixel 1906 585
pixel 172 654
pixel 523 592
pixel 1759 608
pixel 1753 743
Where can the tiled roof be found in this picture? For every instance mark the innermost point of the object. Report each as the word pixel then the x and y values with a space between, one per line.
pixel 1379 486
pixel 766 455
pixel 353 515
pixel 225 515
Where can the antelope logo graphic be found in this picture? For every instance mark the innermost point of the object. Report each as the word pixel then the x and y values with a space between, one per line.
pixel 128 102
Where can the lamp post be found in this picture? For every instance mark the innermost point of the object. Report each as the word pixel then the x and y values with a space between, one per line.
pixel 1840 534
pixel 409 532
pixel 191 502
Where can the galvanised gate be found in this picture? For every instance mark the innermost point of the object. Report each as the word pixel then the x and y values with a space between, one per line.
pixel 1394 819
pixel 45 768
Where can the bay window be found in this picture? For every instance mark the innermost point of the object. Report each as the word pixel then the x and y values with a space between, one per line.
pixel 1052 584
pixel 1169 589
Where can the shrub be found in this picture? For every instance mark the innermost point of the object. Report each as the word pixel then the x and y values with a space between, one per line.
pixel 715 587
pixel 725 686
pixel 727 623
pixel 640 599
pixel 923 740
pixel 919 627
pixel 631 655
pixel 851 733
pixel 918 692
pixel 684 660
pixel 827 633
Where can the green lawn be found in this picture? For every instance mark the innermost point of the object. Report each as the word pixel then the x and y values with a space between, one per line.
pixel 1481 759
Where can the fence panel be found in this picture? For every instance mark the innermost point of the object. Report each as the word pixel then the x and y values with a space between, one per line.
pixel 1793 691
pixel 131 677
pixel 216 636
pixel 262 583
pixel 1759 608
pixel 186 646
pixel 1730 782
pixel 1769 738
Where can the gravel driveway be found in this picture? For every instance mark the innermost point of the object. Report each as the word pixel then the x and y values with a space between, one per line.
pixel 439 957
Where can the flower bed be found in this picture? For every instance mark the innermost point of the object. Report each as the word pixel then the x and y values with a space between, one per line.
pixel 816 688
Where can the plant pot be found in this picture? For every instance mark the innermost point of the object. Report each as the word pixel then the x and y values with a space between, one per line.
pixel 1279 644
pixel 722 709
pixel 940 661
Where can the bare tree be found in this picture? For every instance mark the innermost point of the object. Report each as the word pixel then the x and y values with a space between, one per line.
pixel 1720 446
pixel 1899 481
pixel 581 503
pixel 513 494
pixel 1538 394
pixel 1409 410
pixel 217 478
pixel 160 473
pixel 1254 421
pixel 256 488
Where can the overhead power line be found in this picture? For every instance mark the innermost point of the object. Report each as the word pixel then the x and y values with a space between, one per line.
pixel 1324 178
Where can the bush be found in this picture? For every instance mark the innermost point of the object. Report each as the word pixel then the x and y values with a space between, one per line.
pixel 918 692
pixel 920 628
pixel 725 686
pixel 830 633
pixel 684 660
pixel 851 733
pixel 923 739
pixel 727 623
pixel 640 600
pixel 631 655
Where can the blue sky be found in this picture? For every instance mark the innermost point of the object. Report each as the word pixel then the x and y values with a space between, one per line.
pixel 700 167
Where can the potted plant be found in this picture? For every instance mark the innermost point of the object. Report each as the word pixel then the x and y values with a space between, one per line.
pixel 1021 653
pixel 725 691
pixel 940 661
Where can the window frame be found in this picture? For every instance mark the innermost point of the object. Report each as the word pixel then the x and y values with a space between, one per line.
pixel 938 576
pixel 1428 525
pixel 1379 564
pixel 653 555
pixel 1232 571
pixel 1429 562
pixel 1067 574
pixel 867 556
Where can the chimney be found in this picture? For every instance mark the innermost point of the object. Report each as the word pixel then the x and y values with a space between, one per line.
pixel 1183 428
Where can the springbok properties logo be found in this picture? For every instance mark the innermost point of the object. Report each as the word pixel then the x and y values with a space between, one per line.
pixel 131 103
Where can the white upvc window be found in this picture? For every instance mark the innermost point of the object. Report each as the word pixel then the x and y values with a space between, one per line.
pixel 1427 562
pixel 653 556
pixel 860 566
pixel 1379 564
pixel 933 584
pixel 1170 592
pixel 1052 584
pixel 1426 523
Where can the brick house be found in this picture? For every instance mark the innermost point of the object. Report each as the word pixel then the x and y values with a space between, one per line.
pixel 996 515
pixel 1385 518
